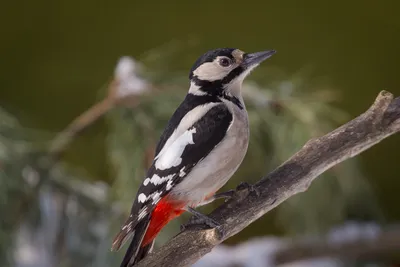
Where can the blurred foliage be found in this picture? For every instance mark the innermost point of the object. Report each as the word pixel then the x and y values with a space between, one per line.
pixel 50 214
pixel 16 181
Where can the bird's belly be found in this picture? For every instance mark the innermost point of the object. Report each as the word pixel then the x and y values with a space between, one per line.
pixel 210 174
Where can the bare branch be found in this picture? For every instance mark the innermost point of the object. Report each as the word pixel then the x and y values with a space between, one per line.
pixel 123 90
pixel 65 137
pixel 381 120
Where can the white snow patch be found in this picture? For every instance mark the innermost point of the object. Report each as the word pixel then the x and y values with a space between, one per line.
pixel 129 83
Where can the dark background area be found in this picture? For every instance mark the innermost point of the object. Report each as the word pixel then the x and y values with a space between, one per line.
pixel 56 56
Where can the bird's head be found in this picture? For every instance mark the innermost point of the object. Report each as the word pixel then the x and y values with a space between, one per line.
pixel 223 70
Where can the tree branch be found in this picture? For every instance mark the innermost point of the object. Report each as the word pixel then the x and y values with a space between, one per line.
pixel 122 90
pixel 80 123
pixel 381 120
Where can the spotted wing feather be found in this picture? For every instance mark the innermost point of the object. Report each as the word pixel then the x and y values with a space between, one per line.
pixel 190 102
pixel 207 132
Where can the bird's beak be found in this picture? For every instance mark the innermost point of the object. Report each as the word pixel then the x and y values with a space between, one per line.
pixel 254 59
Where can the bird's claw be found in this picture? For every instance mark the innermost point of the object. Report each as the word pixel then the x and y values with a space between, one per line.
pixel 225 195
pixel 201 222
pixel 246 186
pixel 199 219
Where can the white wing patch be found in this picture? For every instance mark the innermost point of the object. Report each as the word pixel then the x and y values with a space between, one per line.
pixel 142 213
pixel 146 181
pixel 156 180
pixel 142 198
pixel 128 226
pixel 169 185
pixel 172 156
pixel 156 197
pixel 182 172
pixel 186 122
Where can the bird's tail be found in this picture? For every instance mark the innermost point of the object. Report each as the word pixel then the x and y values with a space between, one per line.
pixel 145 231
pixel 135 251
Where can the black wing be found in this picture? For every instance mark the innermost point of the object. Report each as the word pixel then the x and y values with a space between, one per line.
pixel 209 132
pixel 191 101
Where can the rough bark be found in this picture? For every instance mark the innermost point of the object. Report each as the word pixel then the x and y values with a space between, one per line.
pixel 295 175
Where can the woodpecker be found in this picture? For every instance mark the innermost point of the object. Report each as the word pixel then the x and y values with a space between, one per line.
pixel 200 149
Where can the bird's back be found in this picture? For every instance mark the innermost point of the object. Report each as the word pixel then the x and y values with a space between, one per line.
pixel 213 171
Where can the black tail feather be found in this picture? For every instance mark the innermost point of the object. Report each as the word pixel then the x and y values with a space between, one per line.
pixel 135 252
pixel 143 251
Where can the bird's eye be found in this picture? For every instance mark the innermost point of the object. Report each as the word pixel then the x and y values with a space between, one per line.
pixel 225 62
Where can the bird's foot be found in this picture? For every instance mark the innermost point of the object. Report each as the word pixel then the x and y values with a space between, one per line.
pixel 249 187
pixel 225 195
pixel 199 219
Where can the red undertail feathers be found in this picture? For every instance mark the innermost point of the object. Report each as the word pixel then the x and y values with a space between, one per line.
pixel 162 214
pixel 145 231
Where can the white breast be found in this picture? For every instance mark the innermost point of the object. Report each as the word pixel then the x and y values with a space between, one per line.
pixel 210 174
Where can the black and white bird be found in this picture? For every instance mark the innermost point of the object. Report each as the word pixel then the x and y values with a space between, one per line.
pixel 202 146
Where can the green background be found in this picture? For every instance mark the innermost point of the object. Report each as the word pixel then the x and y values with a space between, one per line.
pixel 55 56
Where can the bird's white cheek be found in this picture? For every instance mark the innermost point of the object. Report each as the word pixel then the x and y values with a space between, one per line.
pixel 211 71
